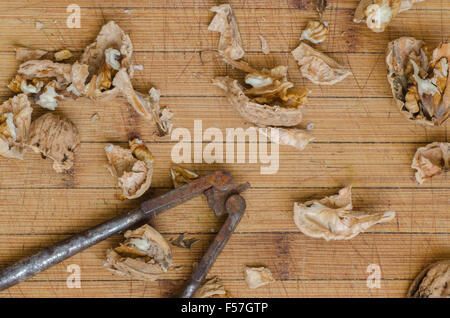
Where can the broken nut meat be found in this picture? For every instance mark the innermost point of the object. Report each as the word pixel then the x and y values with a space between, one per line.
pixel 15 121
pixel 432 282
pixel 133 167
pixel 418 77
pixel 144 254
pixel 211 288
pixel 256 277
pixel 224 22
pixel 181 176
pixel 332 218
pixel 379 13
pixel 316 32
pixel 431 160
pixel 318 67
pixel 56 138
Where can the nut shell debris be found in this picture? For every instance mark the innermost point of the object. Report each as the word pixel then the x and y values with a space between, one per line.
pixel 56 138
pixel 379 13
pixel 211 288
pixel 256 277
pixel 293 137
pixel 431 160
pixel 144 255
pixel 419 80
pixel 133 167
pixel 15 121
pixel 145 105
pixel 110 53
pixel 315 32
pixel 181 176
pixel 260 114
pixel 25 54
pixel 432 282
pixel 318 67
pixel 224 22
pixel 332 218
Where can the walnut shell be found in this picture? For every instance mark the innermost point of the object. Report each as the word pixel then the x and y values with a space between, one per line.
pixel 55 137
pixel 230 43
pixel 408 65
pixel 144 255
pixel 256 277
pixel 15 121
pixel 25 54
pixel 332 218
pixel 133 167
pixel 260 114
pixel 111 36
pixel 211 288
pixel 317 67
pixel 432 282
pixel 431 160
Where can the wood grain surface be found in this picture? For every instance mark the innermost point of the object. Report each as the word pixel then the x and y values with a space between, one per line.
pixel 361 139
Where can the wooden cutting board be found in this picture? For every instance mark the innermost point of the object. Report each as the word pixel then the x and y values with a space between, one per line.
pixel 361 139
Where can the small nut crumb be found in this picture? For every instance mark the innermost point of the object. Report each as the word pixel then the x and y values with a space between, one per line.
pixel 39 25
pixel 264 46
pixel 256 277
pixel 95 117
pixel 181 176
pixel 63 55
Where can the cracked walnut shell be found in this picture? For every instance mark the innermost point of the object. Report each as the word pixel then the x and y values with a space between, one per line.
pixel 332 218
pixel 54 137
pixel 211 288
pixel 431 160
pixel 224 22
pixel 256 277
pixel 315 32
pixel 419 80
pixel 133 167
pixel 379 13
pixel 181 176
pixel 317 67
pixel 432 282
pixel 15 121
pixel 144 255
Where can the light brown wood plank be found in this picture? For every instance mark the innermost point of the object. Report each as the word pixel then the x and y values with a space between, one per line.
pixel 319 165
pixel 168 288
pixel 290 256
pixel 186 29
pixel 73 210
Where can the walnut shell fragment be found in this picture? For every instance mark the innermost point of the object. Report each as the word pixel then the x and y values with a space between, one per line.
pixel 431 160
pixel 332 218
pixel 145 105
pixel 419 80
pixel 54 137
pixel 432 282
pixel 224 22
pixel 318 67
pixel 133 167
pixel 260 114
pixel 25 54
pixel 256 277
pixel 144 255
pixel 181 176
pixel 111 51
pixel 211 288
pixel 293 137
pixel 378 13
pixel 315 32
pixel 15 121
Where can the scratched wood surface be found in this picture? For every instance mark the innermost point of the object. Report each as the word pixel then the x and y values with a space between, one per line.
pixel 361 139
